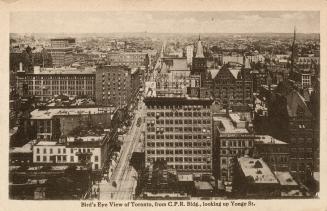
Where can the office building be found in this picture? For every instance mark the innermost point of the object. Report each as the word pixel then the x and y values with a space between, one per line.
pixel 44 83
pixel 179 131
pixel 61 51
pixel 117 85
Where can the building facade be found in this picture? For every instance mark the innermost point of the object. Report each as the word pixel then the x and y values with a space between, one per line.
pixel 232 85
pixel 44 83
pixel 130 59
pixel 61 51
pixel 179 131
pixel 117 85
pixel 51 124
pixel 232 138
pixel 82 150
pixel 273 151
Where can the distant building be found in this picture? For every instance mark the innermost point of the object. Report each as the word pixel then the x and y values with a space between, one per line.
pixel 61 51
pixel 117 85
pixel 199 63
pixel 189 54
pixel 130 59
pixel 179 131
pixel 232 85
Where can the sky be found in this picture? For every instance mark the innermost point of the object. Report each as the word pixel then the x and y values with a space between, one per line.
pixel 165 22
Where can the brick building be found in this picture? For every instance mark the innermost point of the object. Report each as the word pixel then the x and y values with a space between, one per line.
pixel 117 85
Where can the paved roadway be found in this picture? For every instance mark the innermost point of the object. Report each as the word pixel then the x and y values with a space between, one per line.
pixel 124 175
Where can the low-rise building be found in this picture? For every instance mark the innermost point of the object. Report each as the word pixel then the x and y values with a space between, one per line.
pixel 50 124
pixel 91 150
pixel 254 179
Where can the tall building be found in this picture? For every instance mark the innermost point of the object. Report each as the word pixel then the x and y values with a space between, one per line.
pixel 61 51
pixel 44 83
pixel 116 85
pixel 179 131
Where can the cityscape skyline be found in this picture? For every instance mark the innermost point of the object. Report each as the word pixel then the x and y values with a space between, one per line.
pixel 157 22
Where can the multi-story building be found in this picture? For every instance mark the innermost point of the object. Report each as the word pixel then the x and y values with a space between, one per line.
pixel 189 54
pixel 44 83
pixel 51 124
pixel 82 150
pixel 302 78
pixel 61 51
pixel 117 85
pixel 232 85
pixel 273 151
pixel 232 137
pixel 130 59
pixel 179 131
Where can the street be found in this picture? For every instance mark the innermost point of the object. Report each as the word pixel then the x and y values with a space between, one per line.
pixel 123 181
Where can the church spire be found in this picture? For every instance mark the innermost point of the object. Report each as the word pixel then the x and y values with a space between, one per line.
pixel 293 49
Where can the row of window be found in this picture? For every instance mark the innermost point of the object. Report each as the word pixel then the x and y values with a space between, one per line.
pixel 178 152
pixel 171 136
pixel 180 121
pixel 179 129
pixel 179 114
pixel 238 143
pixel 61 150
pixel 178 144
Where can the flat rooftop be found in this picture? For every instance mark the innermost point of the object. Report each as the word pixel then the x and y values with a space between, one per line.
pixel 63 70
pixel 50 113
pixel 266 139
pixel 85 138
pixel 47 143
pixel 226 125
pixel 27 148
pixel 257 169
pixel 285 178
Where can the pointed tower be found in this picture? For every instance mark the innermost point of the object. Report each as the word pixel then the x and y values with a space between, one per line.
pixel 199 63
pixel 293 50
pixel 199 49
